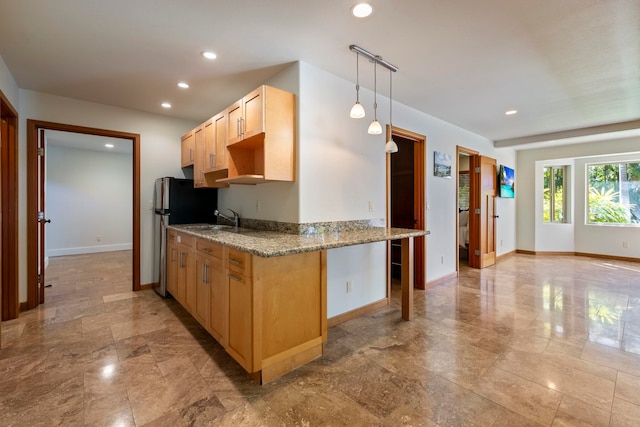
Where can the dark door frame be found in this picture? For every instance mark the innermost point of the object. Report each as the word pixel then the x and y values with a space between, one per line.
pixel 32 198
pixel 471 154
pixel 9 272
pixel 419 194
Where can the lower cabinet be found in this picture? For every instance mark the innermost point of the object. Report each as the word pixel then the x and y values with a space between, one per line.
pixel 270 314
pixel 180 265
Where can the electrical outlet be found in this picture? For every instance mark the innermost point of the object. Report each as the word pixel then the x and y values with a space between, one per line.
pixel 501 243
pixel 348 286
pixel 258 206
pixel 625 244
pixel 442 259
pixel 370 206
pixel 98 238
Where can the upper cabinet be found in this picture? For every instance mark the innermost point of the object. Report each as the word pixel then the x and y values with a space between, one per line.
pixel 251 142
pixel 261 137
pixel 187 149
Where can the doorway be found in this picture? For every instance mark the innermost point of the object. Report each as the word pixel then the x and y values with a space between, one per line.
pixel 405 199
pixel 35 202
pixel 9 291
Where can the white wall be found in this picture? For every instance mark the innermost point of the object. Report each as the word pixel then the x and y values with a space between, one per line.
pixel 88 200
pixel 159 156
pixel 8 85
pixel 533 235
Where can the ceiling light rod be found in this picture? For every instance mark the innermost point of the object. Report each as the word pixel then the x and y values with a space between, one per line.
pixel 373 58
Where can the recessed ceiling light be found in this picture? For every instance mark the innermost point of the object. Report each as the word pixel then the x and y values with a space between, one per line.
pixel 166 105
pixel 183 85
pixel 362 10
pixel 209 55
pixel 108 145
pixel 510 112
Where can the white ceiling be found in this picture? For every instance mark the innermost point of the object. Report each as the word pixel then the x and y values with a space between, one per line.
pixel 563 64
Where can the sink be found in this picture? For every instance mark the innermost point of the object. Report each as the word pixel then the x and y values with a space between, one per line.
pixel 208 227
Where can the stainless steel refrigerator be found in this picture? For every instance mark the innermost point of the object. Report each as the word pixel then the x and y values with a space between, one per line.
pixel 176 201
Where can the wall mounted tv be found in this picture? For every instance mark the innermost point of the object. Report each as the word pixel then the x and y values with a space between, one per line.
pixel 507 182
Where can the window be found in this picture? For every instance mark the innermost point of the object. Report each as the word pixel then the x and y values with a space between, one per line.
pixel 613 193
pixel 555 200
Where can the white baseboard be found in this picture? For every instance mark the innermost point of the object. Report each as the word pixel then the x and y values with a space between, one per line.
pixel 88 249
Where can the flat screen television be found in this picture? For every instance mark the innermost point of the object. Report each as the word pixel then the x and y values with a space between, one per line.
pixel 507 182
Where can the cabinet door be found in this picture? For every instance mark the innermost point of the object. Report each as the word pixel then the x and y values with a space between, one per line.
pixel 200 157
pixel 209 146
pixel 234 121
pixel 202 290
pixel 187 148
pixel 240 320
pixel 219 288
pixel 253 113
pixel 172 269
pixel 188 279
pixel 219 123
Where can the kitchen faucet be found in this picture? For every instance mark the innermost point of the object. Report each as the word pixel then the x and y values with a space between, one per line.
pixel 235 220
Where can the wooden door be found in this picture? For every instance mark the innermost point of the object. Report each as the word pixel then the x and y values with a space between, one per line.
pixel 234 120
pixel 406 184
pixel 220 141
pixel 219 289
pixel 199 158
pixel 41 216
pixel 203 290
pixel 186 150
pixel 253 117
pixel 482 219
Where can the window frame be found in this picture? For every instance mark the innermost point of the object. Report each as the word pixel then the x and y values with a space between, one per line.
pixel 552 192
pixel 588 190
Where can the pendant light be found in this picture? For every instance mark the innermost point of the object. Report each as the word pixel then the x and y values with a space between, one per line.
pixel 357 111
pixel 391 146
pixel 374 127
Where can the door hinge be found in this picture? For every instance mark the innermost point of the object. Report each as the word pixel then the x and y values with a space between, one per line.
pixel 40 278
pixel 477 170
pixel 478 211
pixel 477 252
pixel 40 151
pixel 40 215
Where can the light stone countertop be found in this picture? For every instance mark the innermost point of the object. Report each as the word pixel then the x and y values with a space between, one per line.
pixel 272 243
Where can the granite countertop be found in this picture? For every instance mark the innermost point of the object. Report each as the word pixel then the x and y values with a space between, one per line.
pixel 272 243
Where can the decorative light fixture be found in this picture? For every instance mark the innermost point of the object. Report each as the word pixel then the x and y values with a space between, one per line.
pixel 357 111
pixel 391 146
pixel 374 127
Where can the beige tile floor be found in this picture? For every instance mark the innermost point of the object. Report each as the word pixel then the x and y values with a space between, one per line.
pixel 531 341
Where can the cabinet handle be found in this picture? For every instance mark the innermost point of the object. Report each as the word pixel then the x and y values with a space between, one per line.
pixel 241 126
pixel 205 274
pixel 211 161
pixel 237 127
pixel 191 154
pixel 180 264
pixel 232 277
pixel 234 261
pixel 201 177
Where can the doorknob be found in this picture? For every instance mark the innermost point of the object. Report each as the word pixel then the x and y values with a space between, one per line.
pixel 44 220
pixel 496 216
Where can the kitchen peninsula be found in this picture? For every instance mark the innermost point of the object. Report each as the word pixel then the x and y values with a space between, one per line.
pixel 263 294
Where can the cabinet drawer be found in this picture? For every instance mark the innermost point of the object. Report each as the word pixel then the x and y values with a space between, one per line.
pixel 209 248
pixel 184 239
pixel 239 262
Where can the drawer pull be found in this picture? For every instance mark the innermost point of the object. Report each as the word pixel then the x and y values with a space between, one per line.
pixel 208 250
pixel 232 277
pixel 234 261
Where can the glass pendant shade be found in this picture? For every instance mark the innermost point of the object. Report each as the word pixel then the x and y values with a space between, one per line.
pixel 391 146
pixel 357 111
pixel 375 128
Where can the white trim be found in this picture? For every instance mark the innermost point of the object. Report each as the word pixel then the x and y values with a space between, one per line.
pixel 89 249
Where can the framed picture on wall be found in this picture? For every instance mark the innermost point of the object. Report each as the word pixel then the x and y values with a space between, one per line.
pixel 506 177
pixel 441 164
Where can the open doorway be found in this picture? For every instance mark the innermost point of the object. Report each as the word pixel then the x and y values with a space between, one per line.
pixel 405 199
pixel 463 197
pixel 36 192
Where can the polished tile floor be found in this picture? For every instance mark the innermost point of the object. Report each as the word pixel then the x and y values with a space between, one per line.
pixel 531 341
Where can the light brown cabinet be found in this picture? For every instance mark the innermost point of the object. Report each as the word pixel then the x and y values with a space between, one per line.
pixel 261 137
pixel 180 266
pixel 268 313
pixel 214 155
pixel 187 149
pixel 199 161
